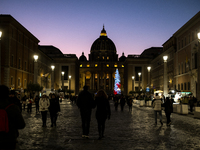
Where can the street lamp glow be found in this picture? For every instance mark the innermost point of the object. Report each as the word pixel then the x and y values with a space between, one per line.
pixel 52 67
pixel 70 77
pixel 35 57
pixel 139 74
pixel 198 35
pixel 149 68
pixel 0 34
pixel 165 58
pixel 63 73
pixel 133 77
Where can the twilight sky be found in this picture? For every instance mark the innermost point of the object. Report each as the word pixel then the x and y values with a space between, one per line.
pixel 73 25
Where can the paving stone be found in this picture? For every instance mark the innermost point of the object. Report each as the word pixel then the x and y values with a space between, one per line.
pixel 125 130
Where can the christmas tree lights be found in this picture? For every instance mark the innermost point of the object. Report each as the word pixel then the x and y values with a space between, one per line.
pixel 117 84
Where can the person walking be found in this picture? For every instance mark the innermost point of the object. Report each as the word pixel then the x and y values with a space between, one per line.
pixel 168 109
pixel 43 107
pixel 10 124
pixel 54 108
pixel 102 111
pixel 122 102
pixel 85 103
pixel 116 102
pixel 13 99
pixel 24 102
pixel 37 99
pixel 157 108
pixel 29 102
pixel 130 103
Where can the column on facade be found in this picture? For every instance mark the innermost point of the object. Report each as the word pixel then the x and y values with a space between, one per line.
pixel 110 78
pixel 97 81
pixel 83 79
pixel 91 81
pixel 105 82
pixel 112 84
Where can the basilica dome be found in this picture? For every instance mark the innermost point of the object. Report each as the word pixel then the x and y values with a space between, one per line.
pixel 103 47
pixel 82 57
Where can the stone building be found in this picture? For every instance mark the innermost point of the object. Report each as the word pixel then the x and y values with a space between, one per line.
pixel 17 48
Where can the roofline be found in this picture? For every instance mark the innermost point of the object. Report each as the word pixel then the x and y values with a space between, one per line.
pixel 13 19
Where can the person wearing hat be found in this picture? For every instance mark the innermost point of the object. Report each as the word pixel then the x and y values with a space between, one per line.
pixel 43 107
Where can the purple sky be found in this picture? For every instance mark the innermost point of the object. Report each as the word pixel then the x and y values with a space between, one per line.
pixel 73 25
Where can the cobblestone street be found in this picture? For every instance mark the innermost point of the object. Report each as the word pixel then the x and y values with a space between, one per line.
pixel 124 131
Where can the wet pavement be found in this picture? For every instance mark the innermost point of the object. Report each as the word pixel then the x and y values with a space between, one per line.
pixel 125 130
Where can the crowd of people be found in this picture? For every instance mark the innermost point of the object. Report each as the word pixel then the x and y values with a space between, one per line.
pixel 12 107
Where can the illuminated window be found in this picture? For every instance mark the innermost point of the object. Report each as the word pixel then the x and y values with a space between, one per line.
pixel 107 65
pixel 122 65
pixel 88 65
pixel 115 65
pixel 81 65
pixel 95 76
pixel 107 58
pixel 96 65
pixel 103 57
pixel 107 76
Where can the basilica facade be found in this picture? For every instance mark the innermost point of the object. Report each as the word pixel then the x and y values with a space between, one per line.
pixel 99 70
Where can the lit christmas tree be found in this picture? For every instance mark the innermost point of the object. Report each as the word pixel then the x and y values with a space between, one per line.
pixel 117 85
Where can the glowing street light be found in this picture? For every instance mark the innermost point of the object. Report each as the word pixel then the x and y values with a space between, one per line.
pixel 133 77
pixel 165 86
pixel 139 74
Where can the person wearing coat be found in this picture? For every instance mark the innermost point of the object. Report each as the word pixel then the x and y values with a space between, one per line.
pixel 168 109
pixel 102 111
pixel 15 120
pixel 43 107
pixel 54 108
pixel 85 103
pixel 157 108
pixel 29 102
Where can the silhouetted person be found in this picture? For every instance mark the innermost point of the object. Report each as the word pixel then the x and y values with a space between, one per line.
pixel 116 102
pixel 8 136
pixel 29 104
pixel 54 108
pixel 24 101
pixel 85 103
pixel 37 99
pixel 102 112
pixel 122 102
pixel 168 109
pixel 13 99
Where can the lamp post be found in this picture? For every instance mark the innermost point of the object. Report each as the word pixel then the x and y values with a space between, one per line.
pixel 198 67
pixel 165 83
pixel 52 77
pixel 0 56
pixel 63 73
pixel 70 85
pixel 35 68
pixel 139 74
pixel 133 77
pixel 149 81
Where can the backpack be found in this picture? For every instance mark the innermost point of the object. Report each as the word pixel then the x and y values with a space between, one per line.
pixel 4 126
